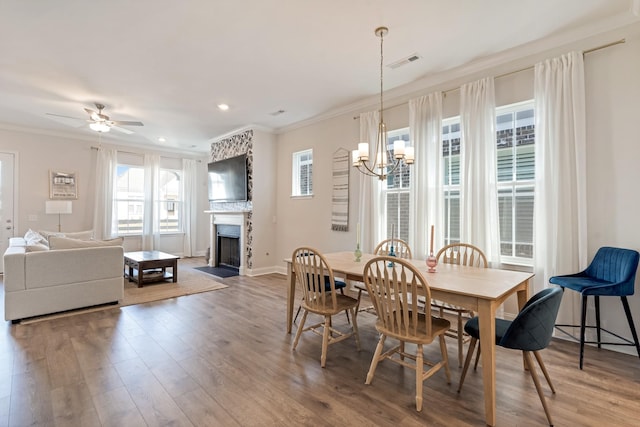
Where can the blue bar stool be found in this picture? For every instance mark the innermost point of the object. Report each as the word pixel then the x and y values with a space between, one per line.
pixel 611 273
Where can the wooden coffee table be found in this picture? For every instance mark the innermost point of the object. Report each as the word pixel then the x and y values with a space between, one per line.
pixel 150 266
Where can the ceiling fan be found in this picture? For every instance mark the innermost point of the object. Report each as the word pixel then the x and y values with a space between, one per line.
pixel 100 122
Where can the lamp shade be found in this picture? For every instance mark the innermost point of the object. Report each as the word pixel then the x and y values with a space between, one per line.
pixel 58 206
pixel 100 127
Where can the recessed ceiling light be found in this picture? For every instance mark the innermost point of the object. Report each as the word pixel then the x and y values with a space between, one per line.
pixel 162 139
pixel 223 107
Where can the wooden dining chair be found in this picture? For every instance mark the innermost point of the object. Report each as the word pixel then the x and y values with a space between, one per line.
pixel 395 292
pixel 460 254
pixel 339 285
pixel 311 270
pixel 400 248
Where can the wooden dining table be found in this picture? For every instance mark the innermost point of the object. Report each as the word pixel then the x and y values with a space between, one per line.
pixel 482 290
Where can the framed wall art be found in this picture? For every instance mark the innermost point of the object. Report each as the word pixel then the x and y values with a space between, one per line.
pixel 63 185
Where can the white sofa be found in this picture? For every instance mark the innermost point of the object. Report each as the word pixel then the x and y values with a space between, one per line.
pixel 50 281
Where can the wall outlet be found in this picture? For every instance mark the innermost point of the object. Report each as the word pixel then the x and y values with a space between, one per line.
pixel 33 218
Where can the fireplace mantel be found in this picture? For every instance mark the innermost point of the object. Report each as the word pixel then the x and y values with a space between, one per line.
pixel 229 218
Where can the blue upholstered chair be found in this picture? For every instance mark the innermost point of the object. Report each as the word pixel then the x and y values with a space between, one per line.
pixel 530 332
pixel 611 273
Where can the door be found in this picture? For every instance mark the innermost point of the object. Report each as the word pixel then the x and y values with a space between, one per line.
pixel 6 202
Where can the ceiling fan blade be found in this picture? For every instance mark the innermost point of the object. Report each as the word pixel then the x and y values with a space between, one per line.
pixel 126 123
pixel 123 130
pixel 94 116
pixel 65 117
pixel 75 122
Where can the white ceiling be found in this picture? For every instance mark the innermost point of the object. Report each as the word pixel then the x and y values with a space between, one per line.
pixel 168 63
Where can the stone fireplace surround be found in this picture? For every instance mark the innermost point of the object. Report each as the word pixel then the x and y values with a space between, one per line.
pixel 234 213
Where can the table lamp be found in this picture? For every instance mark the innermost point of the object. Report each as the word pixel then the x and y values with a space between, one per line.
pixel 58 207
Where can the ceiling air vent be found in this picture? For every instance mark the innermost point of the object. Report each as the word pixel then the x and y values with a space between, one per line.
pixel 277 113
pixel 405 61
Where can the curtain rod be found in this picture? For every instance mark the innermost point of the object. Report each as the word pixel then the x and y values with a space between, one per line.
pixel 593 49
pixel 140 154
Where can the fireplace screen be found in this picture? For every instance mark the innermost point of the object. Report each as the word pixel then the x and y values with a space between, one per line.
pixel 228 246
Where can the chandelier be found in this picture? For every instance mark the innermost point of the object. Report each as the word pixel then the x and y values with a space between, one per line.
pixel 379 166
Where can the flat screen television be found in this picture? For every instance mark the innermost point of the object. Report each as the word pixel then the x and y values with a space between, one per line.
pixel 228 180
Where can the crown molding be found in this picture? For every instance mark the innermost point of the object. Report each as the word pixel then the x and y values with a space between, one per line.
pixel 504 62
pixel 236 131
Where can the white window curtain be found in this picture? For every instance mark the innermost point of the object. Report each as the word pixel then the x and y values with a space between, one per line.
pixel 479 205
pixel 370 213
pixel 426 203
pixel 150 231
pixel 560 195
pixel 104 221
pixel 189 204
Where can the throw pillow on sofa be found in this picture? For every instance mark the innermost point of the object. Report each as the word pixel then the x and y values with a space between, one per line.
pixel 36 247
pixel 79 235
pixel 33 237
pixel 57 242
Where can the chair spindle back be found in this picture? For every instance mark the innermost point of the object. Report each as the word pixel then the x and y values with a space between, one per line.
pixel 316 277
pixel 396 293
pixel 400 248
pixel 462 254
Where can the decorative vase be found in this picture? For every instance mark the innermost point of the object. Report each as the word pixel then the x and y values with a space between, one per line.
pixel 431 263
pixel 391 253
pixel 357 253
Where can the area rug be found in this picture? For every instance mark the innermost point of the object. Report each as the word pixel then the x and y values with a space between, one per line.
pixel 165 290
pixel 190 281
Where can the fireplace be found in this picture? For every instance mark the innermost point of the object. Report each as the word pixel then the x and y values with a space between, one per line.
pixel 228 246
pixel 227 236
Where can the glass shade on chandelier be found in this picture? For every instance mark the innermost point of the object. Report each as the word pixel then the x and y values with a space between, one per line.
pixel 381 168
pixel 99 127
pixel 383 163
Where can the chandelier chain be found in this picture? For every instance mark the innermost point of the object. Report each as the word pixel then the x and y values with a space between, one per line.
pixel 381 75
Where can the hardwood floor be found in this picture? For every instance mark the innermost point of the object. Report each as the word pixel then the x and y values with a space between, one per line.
pixel 222 358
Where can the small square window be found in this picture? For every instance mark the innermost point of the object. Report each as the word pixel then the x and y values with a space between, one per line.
pixel 302 173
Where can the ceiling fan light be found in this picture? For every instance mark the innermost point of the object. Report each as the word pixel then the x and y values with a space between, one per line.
pixel 99 127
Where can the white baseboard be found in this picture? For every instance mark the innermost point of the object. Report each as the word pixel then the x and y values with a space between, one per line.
pixel 265 270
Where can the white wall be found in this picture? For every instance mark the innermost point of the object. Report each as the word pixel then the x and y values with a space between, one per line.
pixel 36 156
pixel 264 216
pixel 613 154
pixel 39 153
pixel 613 163
pixel 307 220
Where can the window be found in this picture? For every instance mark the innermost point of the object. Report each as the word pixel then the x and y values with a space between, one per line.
pixel 130 200
pixel 302 173
pixel 451 179
pixel 169 201
pixel 396 191
pixel 515 136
